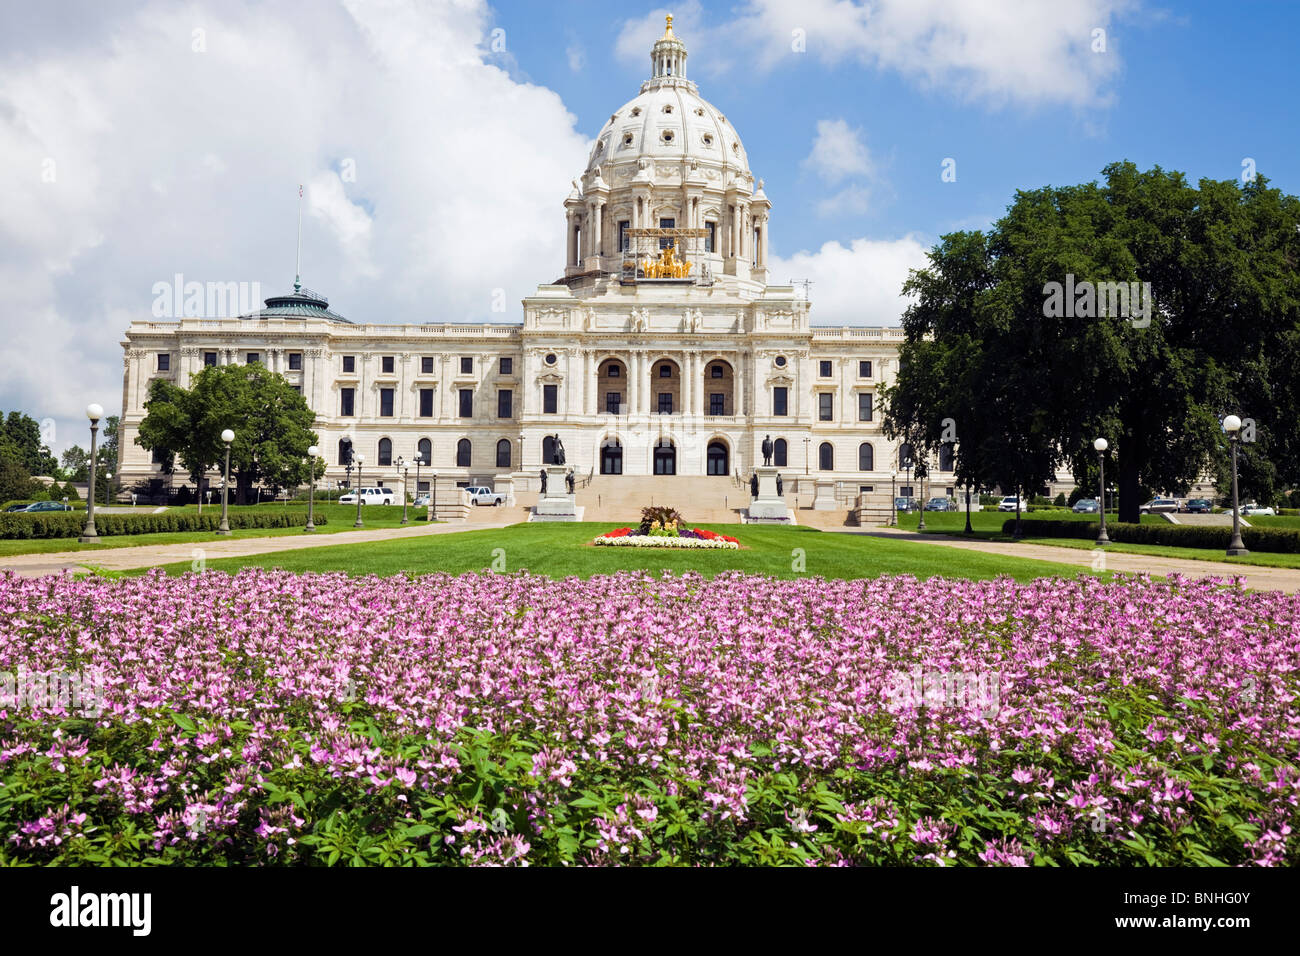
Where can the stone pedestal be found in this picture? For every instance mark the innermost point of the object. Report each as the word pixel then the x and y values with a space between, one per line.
pixel 556 504
pixel 824 500
pixel 768 506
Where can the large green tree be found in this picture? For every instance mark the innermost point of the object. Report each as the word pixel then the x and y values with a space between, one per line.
pixel 20 443
pixel 271 422
pixel 1028 342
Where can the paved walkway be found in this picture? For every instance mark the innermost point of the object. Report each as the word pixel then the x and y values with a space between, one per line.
pixel 1260 578
pixel 148 556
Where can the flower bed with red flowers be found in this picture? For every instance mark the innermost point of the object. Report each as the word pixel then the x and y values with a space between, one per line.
pixel 669 537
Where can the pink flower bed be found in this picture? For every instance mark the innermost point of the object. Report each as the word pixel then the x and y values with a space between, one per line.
pixel 638 718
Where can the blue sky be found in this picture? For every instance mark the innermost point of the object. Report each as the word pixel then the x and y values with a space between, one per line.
pixel 436 141
pixel 1199 86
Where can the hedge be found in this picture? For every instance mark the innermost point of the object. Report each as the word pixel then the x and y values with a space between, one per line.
pixel 70 525
pixel 1275 540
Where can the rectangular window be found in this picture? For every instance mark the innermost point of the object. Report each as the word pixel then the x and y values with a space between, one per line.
pixel 505 403
pixel 825 406
pixel 349 365
pixel 426 364
pixel 864 406
pixel 346 407
pixel 665 403
pixel 614 372
pixel 467 365
pixel 507 366
pixel 624 245
pixel 550 399
pixel 780 403
pixel 386 365
pixel 466 403
pixel 665 371
pixel 613 402
pixel 715 371
pixel 209 359
pixel 716 403
pixel 386 403
pixel 866 489
pixel 164 362
pixel 864 369
pixel 295 361
pixel 666 224
pixel 296 388
pixel 824 369
pixel 426 403
pixel 253 358
pixel 710 236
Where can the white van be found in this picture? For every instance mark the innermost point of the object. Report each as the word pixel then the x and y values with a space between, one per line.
pixel 369 496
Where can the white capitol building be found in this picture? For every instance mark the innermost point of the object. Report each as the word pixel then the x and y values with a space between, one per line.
pixel 662 350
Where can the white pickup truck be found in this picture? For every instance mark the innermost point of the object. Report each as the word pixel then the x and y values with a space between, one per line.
pixel 479 495
pixel 369 496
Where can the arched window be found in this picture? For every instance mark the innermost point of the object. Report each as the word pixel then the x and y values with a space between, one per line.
pixel 462 453
pixel 385 451
pixel 425 449
pixel 345 452
pixel 904 456
pixel 946 456
pixel 503 453
pixel 548 450
pixel 665 457
pixel 826 457
pixel 779 453
pixel 866 457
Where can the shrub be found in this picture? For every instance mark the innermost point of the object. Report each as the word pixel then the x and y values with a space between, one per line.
pixel 1272 540
pixel 70 524
pixel 661 513
pixel 1059 501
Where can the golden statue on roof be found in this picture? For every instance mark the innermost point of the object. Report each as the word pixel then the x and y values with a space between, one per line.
pixel 667 266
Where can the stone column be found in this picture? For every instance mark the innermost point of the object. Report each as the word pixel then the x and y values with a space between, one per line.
pixel 599 233
pixel 739 378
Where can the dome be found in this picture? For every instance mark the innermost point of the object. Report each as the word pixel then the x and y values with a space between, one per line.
pixel 668 121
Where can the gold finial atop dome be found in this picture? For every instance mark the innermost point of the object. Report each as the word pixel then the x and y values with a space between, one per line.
pixel 668 28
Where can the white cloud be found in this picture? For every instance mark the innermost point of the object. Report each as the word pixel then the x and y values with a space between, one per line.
pixel 838 152
pixel 576 56
pixel 852 200
pixel 1027 52
pixel 168 160
pixel 860 284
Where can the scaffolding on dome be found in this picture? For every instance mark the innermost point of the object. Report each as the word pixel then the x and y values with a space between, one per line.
pixel 664 255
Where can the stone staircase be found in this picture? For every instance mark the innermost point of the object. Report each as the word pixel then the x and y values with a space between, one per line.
pixel 700 499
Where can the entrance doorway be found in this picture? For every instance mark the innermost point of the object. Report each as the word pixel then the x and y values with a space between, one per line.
pixel 718 459
pixel 611 457
pixel 665 458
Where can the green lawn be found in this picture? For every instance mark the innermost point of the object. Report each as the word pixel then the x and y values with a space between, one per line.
pixel 988 525
pixel 562 550
pixel 341 518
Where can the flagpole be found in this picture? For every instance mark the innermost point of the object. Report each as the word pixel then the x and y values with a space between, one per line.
pixel 297 266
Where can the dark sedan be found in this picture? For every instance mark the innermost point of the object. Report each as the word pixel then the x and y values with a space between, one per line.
pixel 1197 506
pixel 940 504
pixel 1085 506
pixel 47 506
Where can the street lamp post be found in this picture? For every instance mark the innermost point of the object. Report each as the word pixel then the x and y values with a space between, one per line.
pixel 419 460
pixel 108 488
pixel 1236 547
pixel 403 468
pixel 360 460
pixel 893 501
pixel 806 451
pixel 312 453
pixel 920 518
pixel 1101 445
pixel 88 534
pixel 433 485
pixel 227 436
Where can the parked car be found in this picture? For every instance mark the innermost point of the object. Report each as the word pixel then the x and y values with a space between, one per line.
pixel 940 504
pixel 47 506
pixel 1086 506
pixel 1197 506
pixel 906 504
pixel 1251 508
pixel 421 501
pixel 369 496
pixel 1011 503
pixel 1159 506
pixel 17 508
pixel 479 495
